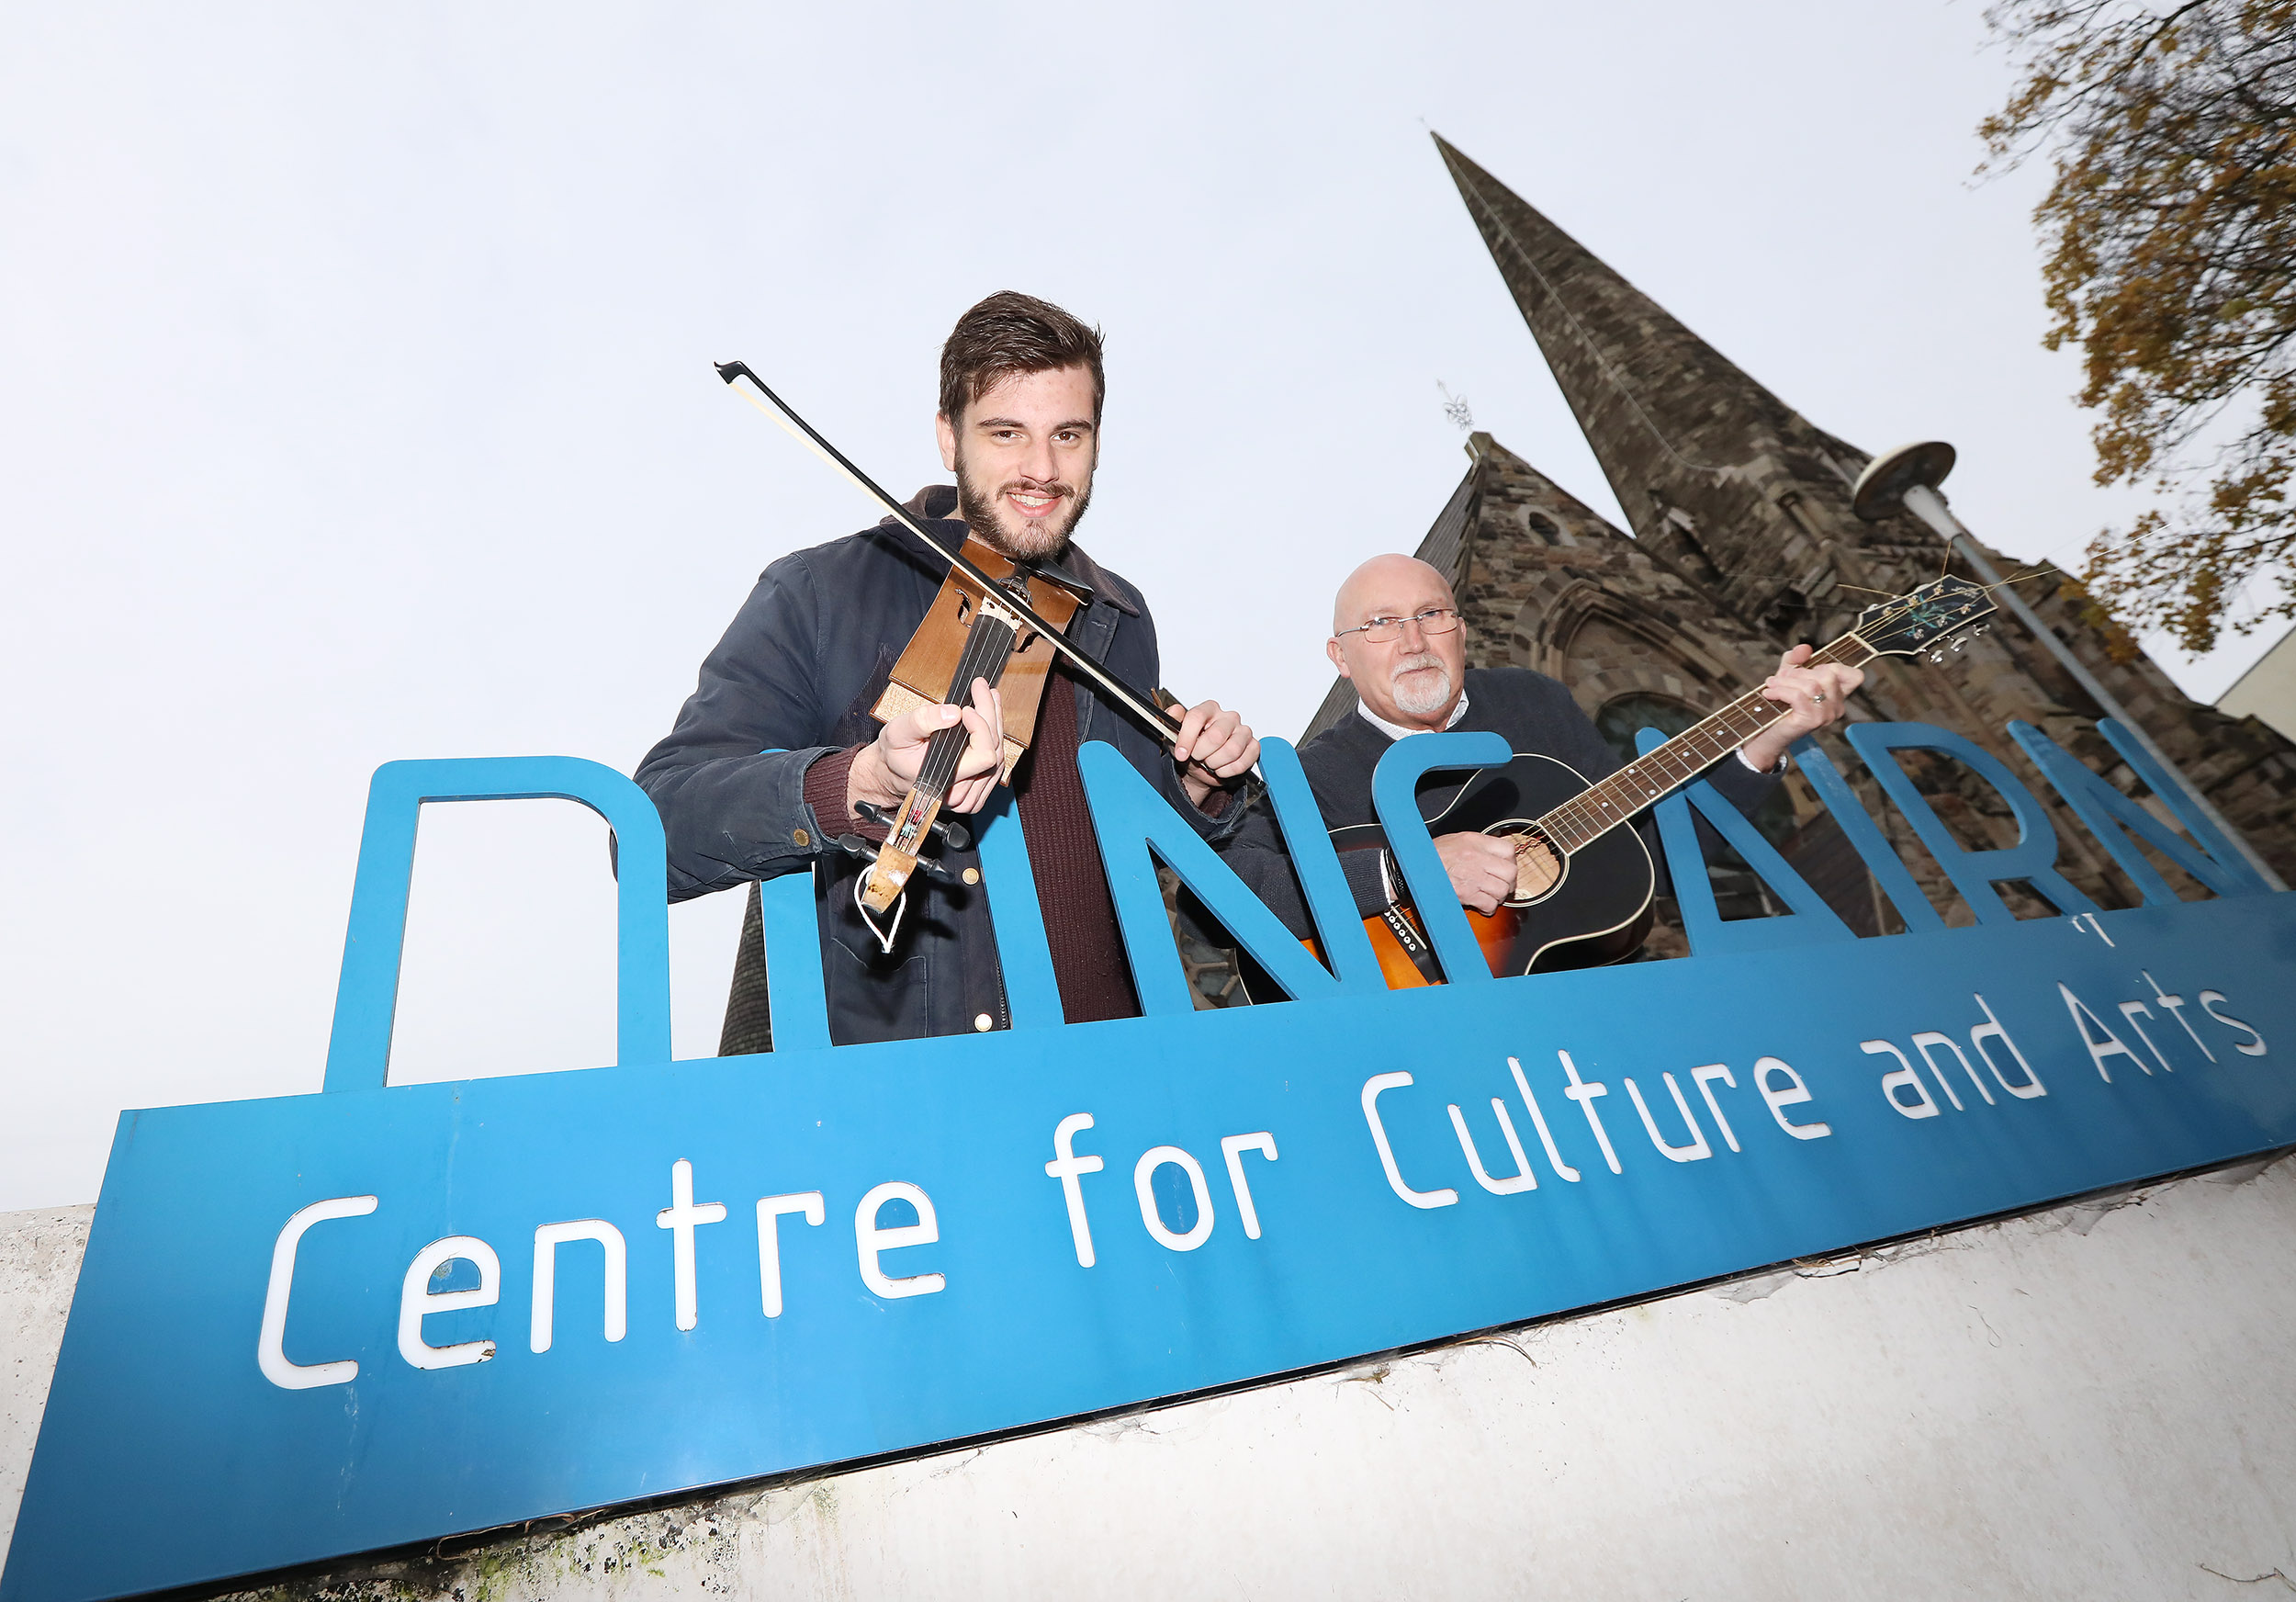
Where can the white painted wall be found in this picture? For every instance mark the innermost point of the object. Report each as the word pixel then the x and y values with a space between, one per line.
pixel 2094 1402
pixel 40 1260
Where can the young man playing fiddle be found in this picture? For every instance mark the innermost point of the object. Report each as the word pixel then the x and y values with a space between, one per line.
pixel 1396 636
pixel 775 751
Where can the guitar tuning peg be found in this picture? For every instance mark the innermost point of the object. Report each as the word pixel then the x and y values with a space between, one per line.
pixel 1937 656
pixel 1957 645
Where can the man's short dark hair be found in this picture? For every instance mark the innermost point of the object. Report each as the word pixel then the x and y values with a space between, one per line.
pixel 1010 334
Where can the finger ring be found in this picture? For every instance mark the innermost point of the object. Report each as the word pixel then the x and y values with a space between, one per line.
pixel 1818 698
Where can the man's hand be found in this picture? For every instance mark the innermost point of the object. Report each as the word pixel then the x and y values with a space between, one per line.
pixel 884 771
pixel 1813 699
pixel 1482 867
pixel 1214 746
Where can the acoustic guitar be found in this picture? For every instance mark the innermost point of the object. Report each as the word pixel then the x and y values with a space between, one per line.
pixel 1583 882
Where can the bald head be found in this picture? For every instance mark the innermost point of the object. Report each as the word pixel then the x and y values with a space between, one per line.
pixel 1414 677
pixel 1364 593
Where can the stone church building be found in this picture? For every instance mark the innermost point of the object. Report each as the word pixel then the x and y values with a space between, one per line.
pixel 1744 543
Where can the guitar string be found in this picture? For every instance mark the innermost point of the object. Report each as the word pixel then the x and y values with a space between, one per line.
pixel 1595 811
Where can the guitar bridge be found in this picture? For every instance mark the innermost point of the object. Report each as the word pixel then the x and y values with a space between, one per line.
pixel 1406 931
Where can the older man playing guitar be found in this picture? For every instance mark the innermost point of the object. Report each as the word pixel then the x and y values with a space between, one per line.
pixel 1396 636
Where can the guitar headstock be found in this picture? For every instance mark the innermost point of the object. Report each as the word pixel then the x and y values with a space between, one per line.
pixel 1925 619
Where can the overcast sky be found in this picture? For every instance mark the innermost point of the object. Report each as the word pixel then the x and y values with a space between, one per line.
pixel 359 406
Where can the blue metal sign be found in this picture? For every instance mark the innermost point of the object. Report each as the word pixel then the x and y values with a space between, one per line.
pixel 333 1323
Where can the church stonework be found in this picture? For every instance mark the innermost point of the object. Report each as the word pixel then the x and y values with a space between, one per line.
pixel 1744 543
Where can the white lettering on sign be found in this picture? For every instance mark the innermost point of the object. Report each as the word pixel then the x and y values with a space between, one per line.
pixel 2209 1000
pixel 2174 1006
pixel 1143 1187
pixel 2099 1050
pixel 1697 1148
pixel 1583 1093
pixel 271 1344
pixel 1522 1180
pixel 869 1239
pixel 1704 1078
pixel 1903 1076
pixel 2029 1083
pixel 417 1301
pixel 2133 1010
pixel 1929 1037
pixel 1793 1096
pixel 1538 1121
pixel 617 1292
pixel 770 1211
pixel 1984 1039
pixel 1373 1089
pixel 1067 1167
pixel 678 1218
pixel 1232 1147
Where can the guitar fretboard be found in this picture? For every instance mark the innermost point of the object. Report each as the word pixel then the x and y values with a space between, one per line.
pixel 1594 812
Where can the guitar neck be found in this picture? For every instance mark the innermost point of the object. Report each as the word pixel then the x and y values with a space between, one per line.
pixel 1641 784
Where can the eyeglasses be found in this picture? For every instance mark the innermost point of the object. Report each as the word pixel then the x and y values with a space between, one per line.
pixel 1385 631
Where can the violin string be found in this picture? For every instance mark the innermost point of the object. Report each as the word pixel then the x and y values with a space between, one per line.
pixel 946 749
pixel 980 658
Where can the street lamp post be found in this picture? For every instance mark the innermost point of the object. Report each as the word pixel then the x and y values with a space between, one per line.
pixel 1909 477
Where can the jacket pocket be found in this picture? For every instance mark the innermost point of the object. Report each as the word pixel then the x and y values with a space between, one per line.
pixel 874 997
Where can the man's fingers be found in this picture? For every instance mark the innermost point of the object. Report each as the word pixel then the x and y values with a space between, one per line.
pixel 1192 725
pixel 1227 747
pixel 1238 755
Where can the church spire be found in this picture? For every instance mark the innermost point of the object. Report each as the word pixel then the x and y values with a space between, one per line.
pixel 1710 467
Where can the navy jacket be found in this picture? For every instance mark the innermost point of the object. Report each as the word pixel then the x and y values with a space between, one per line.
pixel 792 680
pixel 1534 713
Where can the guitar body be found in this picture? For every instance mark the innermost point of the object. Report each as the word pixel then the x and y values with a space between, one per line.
pixel 1595 909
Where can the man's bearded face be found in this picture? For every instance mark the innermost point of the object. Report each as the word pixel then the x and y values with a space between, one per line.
pixel 1022 516
pixel 1023 453
pixel 1415 678
pixel 1421 683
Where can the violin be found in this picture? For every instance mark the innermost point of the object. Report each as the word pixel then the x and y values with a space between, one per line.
pixel 969 632
pixel 991 620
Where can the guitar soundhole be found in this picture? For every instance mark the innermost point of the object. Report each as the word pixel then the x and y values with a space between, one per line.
pixel 1539 867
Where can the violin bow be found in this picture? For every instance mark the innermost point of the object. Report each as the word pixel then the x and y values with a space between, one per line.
pixel 805 434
